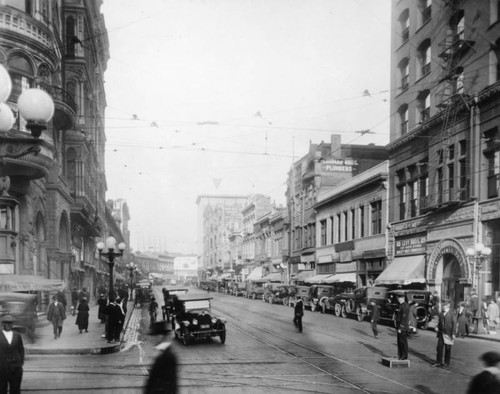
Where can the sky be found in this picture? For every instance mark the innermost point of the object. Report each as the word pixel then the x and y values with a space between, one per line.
pixel 221 96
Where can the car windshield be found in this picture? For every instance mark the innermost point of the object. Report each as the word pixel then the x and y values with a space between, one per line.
pixel 196 304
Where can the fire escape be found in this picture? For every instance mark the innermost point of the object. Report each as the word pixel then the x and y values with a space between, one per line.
pixel 453 101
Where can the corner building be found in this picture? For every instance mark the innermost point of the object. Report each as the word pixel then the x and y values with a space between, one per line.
pixel 444 145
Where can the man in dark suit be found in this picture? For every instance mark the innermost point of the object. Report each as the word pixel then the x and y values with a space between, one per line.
pixel 446 331
pixel 298 313
pixel 402 327
pixel 11 357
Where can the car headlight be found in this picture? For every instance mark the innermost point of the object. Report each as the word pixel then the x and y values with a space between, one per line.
pixel 195 322
pixel 214 320
pixel 186 323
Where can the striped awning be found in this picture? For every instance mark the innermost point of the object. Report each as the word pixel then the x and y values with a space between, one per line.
pixel 403 271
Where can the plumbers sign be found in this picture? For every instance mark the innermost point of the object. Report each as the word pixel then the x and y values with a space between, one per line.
pixel 416 245
pixel 339 165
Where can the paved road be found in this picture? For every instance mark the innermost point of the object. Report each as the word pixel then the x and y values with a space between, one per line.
pixel 264 354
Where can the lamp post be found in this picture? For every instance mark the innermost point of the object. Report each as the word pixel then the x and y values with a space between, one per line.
pixel 477 256
pixel 131 267
pixel 110 255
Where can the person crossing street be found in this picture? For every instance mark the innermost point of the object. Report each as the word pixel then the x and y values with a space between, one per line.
pixel 298 313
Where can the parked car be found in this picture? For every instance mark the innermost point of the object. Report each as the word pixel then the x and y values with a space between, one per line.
pixel 168 307
pixel 194 320
pixel 255 288
pixel 422 297
pixel 238 289
pixel 357 301
pixel 277 293
pixel 322 297
pixel 301 291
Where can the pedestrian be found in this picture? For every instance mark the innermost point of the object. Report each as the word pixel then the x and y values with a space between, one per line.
pixel 488 381
pixel 163 374
pixel 436 304
pixel 75 297
pixel 123 313
pixel 56 314
pixel 62 299
pixel 463 317
pixel 82 319
pixel 84 294
pixel 11 357
pixel 298 312
pixel 375 317
pixel 412 323
pixel 446 331
pixel 101 311
pixel 492 315
pixel 476 311
pixel 402 327
pixel 115 319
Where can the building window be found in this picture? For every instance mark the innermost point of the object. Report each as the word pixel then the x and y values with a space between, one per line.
pixel 332 231
pixel 451 181
pixel 425 11
pixel 459 81
pixel 404 72
pixel 376 217
pixel 412 186
pixel 424 106
pixel 339 228
pixel 424 58
pixel 346 223
pixel 439 174
pixel 402 201
pixel 464 181
pixel 403 119
pixel 493 173
pixel 404 23
pixel 323 232
pixel 353 223
pixel 361 221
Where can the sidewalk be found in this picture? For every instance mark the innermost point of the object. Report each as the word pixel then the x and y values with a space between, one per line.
pixel 71 341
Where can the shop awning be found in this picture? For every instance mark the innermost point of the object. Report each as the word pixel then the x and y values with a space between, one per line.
pixel 29 283
pixel 255 274
pixel 345 277
pixel 403 271
pixel 273 277
pixel 317 278
pixel 302 275
pixel 225 275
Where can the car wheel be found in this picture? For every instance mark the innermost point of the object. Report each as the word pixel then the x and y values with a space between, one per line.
pixel 360 314
pixel 338 310
pixel 285 301
pixel 222 336
pixel 343 312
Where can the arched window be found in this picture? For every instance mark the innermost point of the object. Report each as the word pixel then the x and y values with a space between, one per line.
pixel 423 106
pixel 71 169
pixel 404 24
pixel 404 72
pixel 70 36
pixel 459 80
pixel 424 12
pixel 63 234
pixel 494 67
pixel 403 119
pixel 424 58
pixel 457 25
pixel 22 76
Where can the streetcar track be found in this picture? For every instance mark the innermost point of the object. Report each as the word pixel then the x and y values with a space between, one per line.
pixel 329 356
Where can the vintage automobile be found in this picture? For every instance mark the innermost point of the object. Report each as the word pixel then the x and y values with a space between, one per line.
pixel 168 299
pixel 193 319
pixel 325 293
pixel 356 302
pixel 274 292
pixel 255 288
pixel 238 289
pixel 422 297
pixel 301 291
pixel 22 307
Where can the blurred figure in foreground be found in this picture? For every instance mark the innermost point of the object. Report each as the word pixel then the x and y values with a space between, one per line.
pixel 11 357
pixel 163 374
pixel 488 381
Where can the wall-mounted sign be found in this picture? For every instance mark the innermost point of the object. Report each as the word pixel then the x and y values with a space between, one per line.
pixel 339 165
pixel 415 245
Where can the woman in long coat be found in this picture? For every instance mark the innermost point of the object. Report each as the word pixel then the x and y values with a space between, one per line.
pixel 463 318
pixel 82 320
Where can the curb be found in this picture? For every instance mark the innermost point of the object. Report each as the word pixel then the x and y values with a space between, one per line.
pixel 92 351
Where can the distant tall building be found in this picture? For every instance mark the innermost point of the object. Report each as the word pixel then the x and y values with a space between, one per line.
pixel 444 148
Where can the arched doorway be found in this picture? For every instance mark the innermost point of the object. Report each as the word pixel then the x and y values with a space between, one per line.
pixel 452 289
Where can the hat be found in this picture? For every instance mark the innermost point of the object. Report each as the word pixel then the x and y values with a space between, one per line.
pixel 491 358
pixel 8 319
pixel 401 295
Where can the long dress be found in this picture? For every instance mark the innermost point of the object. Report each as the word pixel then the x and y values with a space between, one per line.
pixel 463 321
pixel 82 320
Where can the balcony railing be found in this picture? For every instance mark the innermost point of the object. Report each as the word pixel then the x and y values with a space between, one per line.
pixel 426 69
pixel 59 94
pixel 25 25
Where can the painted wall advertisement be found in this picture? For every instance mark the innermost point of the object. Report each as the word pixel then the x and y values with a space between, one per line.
pixel 414 245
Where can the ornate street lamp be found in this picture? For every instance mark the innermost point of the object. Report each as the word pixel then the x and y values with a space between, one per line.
pixel 477 256
pixel 110 255
pixel 132 268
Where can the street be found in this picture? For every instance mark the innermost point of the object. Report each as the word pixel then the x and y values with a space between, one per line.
pixel 264 354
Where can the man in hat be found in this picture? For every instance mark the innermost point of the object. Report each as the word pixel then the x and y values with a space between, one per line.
pixel 11 357
pixel 488 381
pixel 446 330
pixel 56 314
pixel 163 375
pixel 402 327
